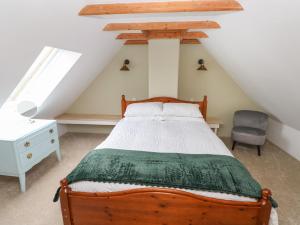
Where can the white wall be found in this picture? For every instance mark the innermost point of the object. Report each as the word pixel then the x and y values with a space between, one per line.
pixel 259 47
pixel 163 67
pixel 103 95
pixel 28 26
pixel 224 95
pixel 287 138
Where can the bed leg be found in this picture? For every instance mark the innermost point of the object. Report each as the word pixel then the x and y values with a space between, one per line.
pixel 64 202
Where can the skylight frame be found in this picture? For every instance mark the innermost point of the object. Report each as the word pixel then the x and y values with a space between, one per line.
pixel 52 62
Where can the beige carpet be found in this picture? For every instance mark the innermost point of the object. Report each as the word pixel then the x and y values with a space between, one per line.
pixel 274 169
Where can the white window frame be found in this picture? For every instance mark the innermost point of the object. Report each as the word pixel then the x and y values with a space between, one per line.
pixel 45 62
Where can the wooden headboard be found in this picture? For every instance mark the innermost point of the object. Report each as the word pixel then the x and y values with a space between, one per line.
pixel 202 104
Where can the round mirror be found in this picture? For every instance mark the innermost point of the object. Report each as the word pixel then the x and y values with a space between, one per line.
pixel 27 108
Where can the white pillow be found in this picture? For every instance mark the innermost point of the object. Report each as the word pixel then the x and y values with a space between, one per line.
pixel 182 109
pixel 144 109
pixel 180 118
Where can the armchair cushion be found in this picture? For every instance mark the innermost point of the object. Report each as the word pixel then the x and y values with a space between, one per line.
pixel 248 135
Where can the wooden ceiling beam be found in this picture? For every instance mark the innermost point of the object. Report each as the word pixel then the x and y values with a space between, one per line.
pixel 181 34
pixel 132 36
pixel 146 35
pixel 162 26
pixel 194 35
pixel 145 42
pixel 161 7
pixel 136 42
pixel 190 41
pixel 153 34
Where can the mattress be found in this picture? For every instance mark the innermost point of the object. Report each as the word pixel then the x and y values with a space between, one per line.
pixel 176 135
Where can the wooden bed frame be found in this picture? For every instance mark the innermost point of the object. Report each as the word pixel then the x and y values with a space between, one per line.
pixel 159 206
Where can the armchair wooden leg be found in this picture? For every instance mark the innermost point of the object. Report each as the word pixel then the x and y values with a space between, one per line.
pixel 258 150
pixel 233 145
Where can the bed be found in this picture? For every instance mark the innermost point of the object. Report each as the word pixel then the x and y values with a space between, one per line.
pixel 91 203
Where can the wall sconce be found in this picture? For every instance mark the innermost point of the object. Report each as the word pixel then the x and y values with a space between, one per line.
pixel 125 65
pixel 201 63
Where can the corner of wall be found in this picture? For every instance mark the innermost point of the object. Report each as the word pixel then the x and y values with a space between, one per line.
pixel 285 137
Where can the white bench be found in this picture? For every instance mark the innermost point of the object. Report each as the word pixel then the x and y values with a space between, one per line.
pixel 214 123
pixel 111 120
pixel 88 119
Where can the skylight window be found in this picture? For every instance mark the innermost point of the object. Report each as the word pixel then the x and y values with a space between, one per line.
pixel 43 76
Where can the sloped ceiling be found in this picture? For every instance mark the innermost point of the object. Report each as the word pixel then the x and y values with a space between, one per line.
pixel 259 47
pixel 28 26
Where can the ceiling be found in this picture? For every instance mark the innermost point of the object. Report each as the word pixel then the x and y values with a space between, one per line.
pixel 258 47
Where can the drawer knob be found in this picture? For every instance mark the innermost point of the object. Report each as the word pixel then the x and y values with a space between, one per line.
pixel 52 141
pixel 51 131
pixel 29 156
pixel 27 144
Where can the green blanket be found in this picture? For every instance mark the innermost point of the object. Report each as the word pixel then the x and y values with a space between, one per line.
pixel 216 173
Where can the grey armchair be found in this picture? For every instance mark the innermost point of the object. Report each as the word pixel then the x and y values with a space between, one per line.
pixel 249 127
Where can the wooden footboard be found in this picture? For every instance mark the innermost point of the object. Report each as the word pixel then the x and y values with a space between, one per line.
pixel 157 206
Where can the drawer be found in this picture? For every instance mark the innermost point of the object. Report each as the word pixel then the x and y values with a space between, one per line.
pixel 33 155
pixel 48 134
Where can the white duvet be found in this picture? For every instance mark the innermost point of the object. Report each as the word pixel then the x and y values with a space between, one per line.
pixel 189 136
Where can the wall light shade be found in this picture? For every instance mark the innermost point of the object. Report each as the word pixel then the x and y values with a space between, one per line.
pixel 125 65
pixel 201 63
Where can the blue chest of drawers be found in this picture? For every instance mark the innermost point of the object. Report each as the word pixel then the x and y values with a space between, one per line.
pixel 24 145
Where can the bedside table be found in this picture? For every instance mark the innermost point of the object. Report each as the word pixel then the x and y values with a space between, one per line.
pixel 214 123
pixel 24 144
